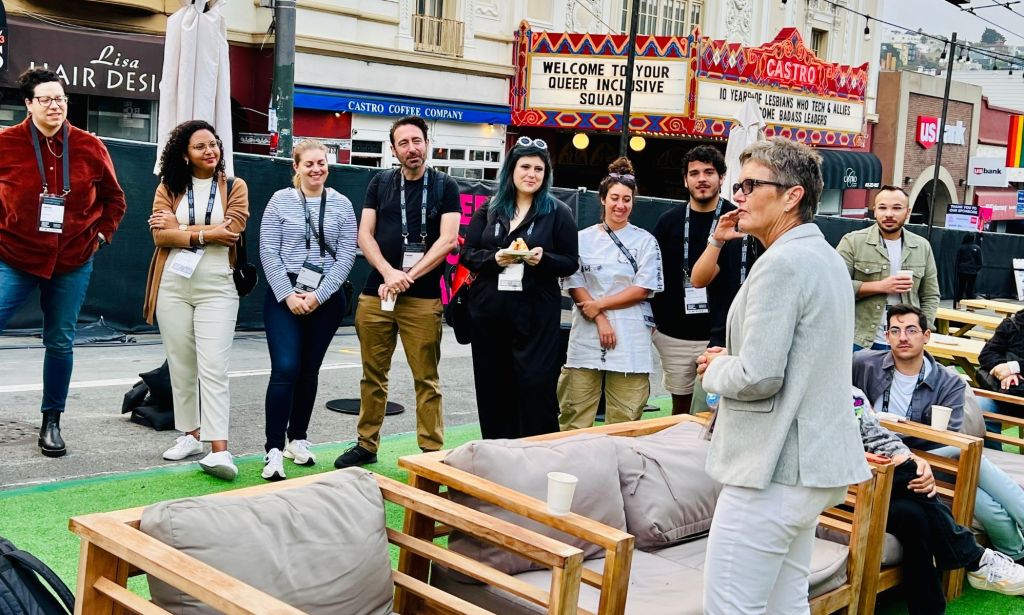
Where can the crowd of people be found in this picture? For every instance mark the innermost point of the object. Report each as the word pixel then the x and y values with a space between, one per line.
pixel 741 297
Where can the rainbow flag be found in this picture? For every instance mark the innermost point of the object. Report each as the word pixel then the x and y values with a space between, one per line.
pixel 1015 142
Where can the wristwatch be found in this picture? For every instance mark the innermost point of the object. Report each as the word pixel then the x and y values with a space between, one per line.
pixel 714 242
pixel 182 227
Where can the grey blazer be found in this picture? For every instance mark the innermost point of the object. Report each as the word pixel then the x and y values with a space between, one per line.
pixel 786 415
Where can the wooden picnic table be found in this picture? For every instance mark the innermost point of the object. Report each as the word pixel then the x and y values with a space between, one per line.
pixel 966 321
pixel 959 351
pixel 1003 308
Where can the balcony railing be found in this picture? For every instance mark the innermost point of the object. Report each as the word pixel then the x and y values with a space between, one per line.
pixel 438 35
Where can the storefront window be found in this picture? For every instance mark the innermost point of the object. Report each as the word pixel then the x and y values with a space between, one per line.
pixel 831 202
pixel 11 114
pixel 122 118
pixel 665 17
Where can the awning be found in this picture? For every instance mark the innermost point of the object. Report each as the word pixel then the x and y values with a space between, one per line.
pixel 843 169
pixel 325 99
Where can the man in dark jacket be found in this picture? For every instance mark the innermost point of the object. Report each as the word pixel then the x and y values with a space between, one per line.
pixel 968 264
pixel 1002 354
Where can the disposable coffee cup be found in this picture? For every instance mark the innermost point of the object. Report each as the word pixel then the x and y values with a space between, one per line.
pixel 940 417
pixel 905 273
pixel 388 305
pixel 561 487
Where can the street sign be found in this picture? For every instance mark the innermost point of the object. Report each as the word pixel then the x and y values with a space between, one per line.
pixel 1020 203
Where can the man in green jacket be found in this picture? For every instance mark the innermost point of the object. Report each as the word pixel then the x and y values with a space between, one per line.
pixel 875 258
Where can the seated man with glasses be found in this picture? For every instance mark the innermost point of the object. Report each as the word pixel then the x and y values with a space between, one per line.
pixel 906 382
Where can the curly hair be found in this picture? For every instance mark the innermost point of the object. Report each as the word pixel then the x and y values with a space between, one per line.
pixel 32 77
pixel 620 171
pixel 175 169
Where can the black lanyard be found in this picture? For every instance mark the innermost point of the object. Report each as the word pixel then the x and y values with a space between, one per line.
pixel 66 159
pixel 622 248
pixel 320 237
pixel 686 236
pixel 910 404
pixel 423 208
pixel 209 206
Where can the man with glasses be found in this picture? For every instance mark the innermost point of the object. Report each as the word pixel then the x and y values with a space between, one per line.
pixel 60 202
pixel 889 265
pixel 409 224
pixel 904 383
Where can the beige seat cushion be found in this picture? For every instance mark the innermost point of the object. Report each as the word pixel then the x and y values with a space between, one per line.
pixel 321 548
pixel 1011 463
pixel 523 466
pixel 667 494
pixel 656 587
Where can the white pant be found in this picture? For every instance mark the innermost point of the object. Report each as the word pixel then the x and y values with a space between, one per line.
pixel 197 317
pixel 759 549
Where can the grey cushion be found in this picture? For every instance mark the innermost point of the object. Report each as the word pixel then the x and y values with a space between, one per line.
pixel 1011 463
pixel 892 550
pixel 321 548
pixel 656 587
pixel 974 422
pixel 667 494
pixel 523 466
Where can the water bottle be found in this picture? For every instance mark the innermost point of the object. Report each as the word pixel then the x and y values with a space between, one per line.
pixel 712 401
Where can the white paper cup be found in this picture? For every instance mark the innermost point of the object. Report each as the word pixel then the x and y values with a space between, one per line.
pixel 388 305
pixel 940 417
pixel 905 273
pixel 561 487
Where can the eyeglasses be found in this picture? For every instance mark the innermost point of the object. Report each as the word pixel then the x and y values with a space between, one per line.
pixel 748 185
pixel 910 331
pixel 202 147
pixel 528 142
pixel 46 101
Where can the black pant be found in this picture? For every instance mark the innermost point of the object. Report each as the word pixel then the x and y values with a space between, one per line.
pixel 964 287
pixel 516 362
pixel 932 542
pixel 297 348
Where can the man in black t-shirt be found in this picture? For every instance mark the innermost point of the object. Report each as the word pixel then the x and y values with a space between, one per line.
pixel 410 222
pixel 691 312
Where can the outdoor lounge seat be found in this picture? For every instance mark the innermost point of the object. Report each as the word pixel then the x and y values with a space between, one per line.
pixel 316 542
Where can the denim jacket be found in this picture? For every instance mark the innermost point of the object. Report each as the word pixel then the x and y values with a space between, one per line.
pixel 868 261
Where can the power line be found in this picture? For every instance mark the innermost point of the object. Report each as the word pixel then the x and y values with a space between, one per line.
pixel 989 21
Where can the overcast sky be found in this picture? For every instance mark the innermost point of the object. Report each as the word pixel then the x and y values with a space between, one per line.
pixel 940 17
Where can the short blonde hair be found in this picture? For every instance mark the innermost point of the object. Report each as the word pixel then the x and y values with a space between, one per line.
pixel 304 146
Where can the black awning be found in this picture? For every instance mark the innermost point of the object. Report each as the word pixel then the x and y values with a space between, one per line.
pixel 843 169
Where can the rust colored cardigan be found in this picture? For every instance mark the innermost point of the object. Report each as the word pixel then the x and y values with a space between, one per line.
pixel 237 209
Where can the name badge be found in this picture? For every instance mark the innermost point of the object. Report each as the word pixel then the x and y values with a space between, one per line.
pixel 309 278
pixel 648 314
pixel 51 213
pixel 185 263
pixel 695 300
pixel 412 254
pixel 511 278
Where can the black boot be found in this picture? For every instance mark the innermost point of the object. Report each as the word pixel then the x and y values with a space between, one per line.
pixel 50 442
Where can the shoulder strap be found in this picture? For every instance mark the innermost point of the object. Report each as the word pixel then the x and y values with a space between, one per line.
pixel 240 250
pixel 386 179
pixel 30 562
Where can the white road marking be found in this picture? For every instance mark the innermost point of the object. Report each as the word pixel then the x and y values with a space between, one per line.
pixel 94 384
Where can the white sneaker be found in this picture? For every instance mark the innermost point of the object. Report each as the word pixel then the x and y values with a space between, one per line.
pixel 222 465
pixel 998 573
pixel 298 451
pixel 184 446
pixel 273 468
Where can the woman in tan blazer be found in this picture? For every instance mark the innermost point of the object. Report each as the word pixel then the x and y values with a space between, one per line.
pixel 191 291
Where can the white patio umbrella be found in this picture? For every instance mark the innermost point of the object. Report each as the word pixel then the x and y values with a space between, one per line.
pixel 748 129
pixel 196 82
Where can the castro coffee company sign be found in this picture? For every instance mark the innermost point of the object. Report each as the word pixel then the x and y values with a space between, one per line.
pixel 101 64
pixel 928 132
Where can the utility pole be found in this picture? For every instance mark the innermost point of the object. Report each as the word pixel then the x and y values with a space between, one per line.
pixel 942 134
pixel 627 99
pixel 281 104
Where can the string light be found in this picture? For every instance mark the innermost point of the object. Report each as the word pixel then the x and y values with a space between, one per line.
pixel 867 29
pixel 942 58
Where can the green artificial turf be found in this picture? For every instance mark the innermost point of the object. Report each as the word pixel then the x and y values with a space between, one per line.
pixel 35 518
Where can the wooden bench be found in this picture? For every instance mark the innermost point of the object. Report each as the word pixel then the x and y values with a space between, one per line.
pixel 1003 308
pixel 967 321
pixel 861 519
pixel 962 352
pixel 113 549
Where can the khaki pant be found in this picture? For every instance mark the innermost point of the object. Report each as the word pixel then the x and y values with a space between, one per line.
pixel 579 393
pixel 418 322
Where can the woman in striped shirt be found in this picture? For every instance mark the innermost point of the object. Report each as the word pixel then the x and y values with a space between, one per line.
pixel 307 246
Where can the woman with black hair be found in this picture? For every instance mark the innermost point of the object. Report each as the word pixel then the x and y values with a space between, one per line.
pixel 515 301
pixel 195 223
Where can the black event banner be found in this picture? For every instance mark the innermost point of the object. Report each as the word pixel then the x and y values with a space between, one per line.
pixel 5 43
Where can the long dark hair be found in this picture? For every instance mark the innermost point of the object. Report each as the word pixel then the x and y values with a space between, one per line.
pixel 175 169
pixel 504 200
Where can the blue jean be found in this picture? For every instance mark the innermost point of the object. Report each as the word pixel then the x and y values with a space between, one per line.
pixel 998 506
pixel 297 347
pixel 61 299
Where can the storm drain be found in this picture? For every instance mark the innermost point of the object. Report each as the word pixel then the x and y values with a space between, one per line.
pixel 15 432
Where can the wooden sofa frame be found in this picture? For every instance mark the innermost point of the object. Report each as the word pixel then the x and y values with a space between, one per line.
pixel 113 549
pixel 862 518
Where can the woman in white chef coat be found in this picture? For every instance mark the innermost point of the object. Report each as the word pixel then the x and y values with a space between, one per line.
pixel 610 341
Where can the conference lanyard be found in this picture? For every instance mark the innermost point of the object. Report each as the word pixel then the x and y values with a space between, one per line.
pixel 622 248
pixel 209 205
pixel 66 159
pixel 686 236
pixel 910 404
pixel 309 223
pixel 423 209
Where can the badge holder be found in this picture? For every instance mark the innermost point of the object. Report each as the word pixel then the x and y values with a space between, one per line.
pixel 51 213
pixel 695 299
pixel 309 277
pixel 412 254
pixel 511 279
pixel 186 262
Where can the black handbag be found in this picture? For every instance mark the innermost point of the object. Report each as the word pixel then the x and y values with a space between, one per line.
pixel 246 275
pixel 456 312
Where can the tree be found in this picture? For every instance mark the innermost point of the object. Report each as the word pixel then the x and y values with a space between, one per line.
pixel 991 37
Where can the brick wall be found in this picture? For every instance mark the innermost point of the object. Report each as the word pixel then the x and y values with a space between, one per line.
pixel 954 157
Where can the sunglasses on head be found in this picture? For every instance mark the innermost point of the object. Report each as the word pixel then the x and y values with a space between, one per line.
pixel 528 142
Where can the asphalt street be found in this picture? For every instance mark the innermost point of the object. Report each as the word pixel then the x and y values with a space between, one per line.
pixel 102 440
